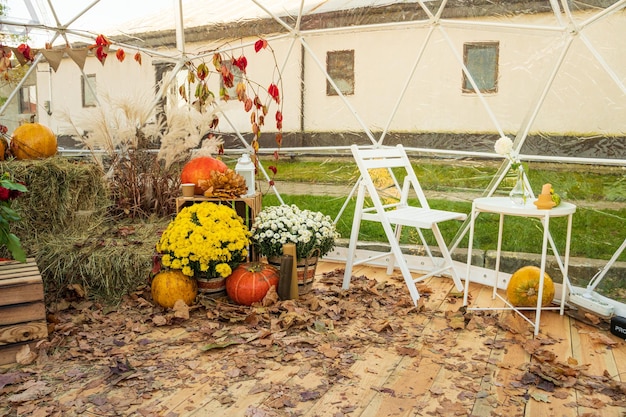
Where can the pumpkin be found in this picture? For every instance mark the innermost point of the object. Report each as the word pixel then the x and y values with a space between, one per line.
pixel 200 168
pixel 171 285
pixel 523 287
pixel 33 141
pixel 4 146
pixel 250 282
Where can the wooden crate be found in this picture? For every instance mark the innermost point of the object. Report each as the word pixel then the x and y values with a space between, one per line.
pixel 22 308
pixel 246 207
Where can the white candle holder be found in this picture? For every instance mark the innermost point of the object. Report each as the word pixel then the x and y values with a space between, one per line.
pixel 245 168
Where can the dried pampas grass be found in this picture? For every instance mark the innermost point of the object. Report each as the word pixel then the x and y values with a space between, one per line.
pixel 144 150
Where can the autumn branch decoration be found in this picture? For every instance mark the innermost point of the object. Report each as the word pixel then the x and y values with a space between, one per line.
pixel 248 92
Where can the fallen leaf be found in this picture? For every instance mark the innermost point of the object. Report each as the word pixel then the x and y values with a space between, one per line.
pixel 34 391
pixel 602 338
pixel 540 397
pixel 181 310
pixel 25 356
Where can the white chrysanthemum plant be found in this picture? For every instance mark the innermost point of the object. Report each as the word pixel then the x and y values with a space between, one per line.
pixel 275 226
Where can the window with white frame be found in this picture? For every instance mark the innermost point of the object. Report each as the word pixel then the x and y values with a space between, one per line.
pixel 88 91
pixel 340 67
pixel 28 99
pixel 481 60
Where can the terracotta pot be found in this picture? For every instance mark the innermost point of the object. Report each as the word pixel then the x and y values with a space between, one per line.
pixel 212 287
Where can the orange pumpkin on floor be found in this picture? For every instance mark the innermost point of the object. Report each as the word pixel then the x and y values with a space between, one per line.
pixel 250 282
pixel 168 286
pixel 33 141
pixel 523 288
pixel 200 168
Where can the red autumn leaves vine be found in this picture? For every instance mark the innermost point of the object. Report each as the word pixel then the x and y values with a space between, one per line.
pixel 247 92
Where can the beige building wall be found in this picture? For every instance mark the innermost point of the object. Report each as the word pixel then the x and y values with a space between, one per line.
pixel 583 99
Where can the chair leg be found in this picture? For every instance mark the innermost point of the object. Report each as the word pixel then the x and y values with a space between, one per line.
pixel 402 264
pixel 354 236
pixel 392 258
pixel 446 256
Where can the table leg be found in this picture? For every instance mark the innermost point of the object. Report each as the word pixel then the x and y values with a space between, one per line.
pixel 469 256
pixel 566 264
pixel 542 272
pixel 498 253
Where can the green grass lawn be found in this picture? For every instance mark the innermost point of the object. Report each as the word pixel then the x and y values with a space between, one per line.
pixel 597 233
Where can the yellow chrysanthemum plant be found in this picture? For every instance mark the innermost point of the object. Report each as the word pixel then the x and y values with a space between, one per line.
pixel 205 239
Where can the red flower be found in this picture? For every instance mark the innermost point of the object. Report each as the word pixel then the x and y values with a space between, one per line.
pixel 138 58
pixel 273 169
pixel 5 194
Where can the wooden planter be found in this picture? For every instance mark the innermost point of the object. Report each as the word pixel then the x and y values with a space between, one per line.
pixel 22 308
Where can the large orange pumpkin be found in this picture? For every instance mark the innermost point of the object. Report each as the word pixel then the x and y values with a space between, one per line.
pixel 200 168
pixel 33 141
pixel 523 288
pixel 250 282
pixel 171 285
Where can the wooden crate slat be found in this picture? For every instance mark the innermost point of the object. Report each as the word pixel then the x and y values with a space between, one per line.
pixel 20 278
pixel 8 352
pixel 23 332
pixel 18 294
pixel 9 265
pixel 20 313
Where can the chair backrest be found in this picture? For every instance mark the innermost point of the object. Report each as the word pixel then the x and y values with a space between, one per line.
pixel 388 157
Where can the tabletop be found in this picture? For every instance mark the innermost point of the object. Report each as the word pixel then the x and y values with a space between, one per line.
pixel 504 205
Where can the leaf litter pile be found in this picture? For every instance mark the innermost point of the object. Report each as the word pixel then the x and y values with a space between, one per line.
pixel 279 358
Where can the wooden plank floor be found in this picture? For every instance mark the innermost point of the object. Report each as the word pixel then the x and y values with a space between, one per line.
pixel 395 360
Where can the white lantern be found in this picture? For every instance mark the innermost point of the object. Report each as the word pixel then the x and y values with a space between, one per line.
pixel 245 168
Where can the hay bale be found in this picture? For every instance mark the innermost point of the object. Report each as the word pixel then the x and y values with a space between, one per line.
pixel 66 229
pixel 107 260
pixel 58 188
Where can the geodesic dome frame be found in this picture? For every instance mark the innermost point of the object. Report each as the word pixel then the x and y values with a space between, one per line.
pixel 560 80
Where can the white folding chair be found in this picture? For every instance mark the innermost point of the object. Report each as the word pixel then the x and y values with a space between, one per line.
pixel 397 214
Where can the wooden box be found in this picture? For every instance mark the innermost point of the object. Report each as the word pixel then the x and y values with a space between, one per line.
pixel 246 207
pixel 22 308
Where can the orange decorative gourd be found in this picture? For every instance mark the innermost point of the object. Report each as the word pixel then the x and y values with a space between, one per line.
pixel 200 168
pixel 250 282
pixel 523 288
pixel 33 141
pixel 171 285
